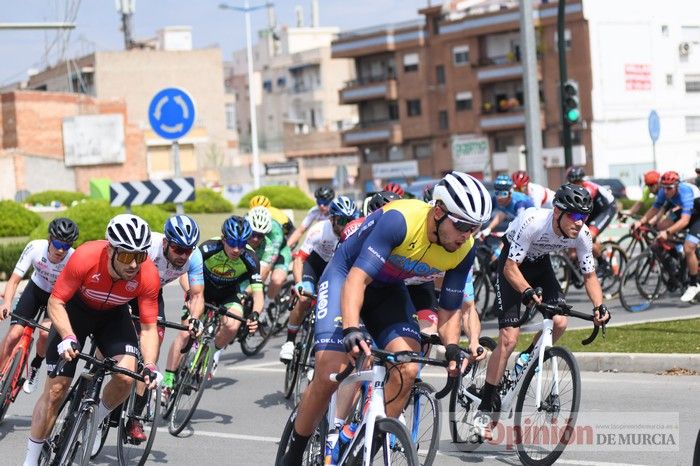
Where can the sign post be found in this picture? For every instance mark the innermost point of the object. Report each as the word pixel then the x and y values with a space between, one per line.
pixel 654 130
pixel 171 114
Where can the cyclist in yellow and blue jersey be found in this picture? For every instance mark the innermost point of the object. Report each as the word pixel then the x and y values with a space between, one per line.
pixel 365 280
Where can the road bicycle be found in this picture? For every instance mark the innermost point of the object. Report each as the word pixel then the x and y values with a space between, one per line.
pixel 196 365
pixel 377 439
pixel 545 393
pixel 299 371
pixel 610 267
pixel 73 437
pixel 16 369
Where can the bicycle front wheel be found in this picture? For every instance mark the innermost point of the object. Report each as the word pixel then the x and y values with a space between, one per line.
pixel 557 412
pixel 252 343
pixel 615 261
pixel 391 445
pixel 12 373
pixel 422 416
pixel 130 450
pixel 642 282
pixel 315 449
pixel 77 446
pixel 189 390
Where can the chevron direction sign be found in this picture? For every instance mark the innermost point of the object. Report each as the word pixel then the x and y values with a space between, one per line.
pixel 177 190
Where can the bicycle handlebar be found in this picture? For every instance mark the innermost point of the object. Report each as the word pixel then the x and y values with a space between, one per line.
pixel 30 322
pixel 223 311
pixel 165 323
pixel 108 364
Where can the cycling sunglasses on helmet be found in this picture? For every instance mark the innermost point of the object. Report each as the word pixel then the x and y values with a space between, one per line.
pixel 577 216
pixel 60 244
pixel 234 243
pixel 127 257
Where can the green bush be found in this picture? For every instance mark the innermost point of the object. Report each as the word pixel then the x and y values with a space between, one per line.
pixel 47 197
pixel 93 215
pixel 17 220
pixel 9 255
pixel 206 201
pixel 282 197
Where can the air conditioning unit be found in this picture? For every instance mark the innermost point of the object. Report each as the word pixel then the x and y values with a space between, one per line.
pixel 684 49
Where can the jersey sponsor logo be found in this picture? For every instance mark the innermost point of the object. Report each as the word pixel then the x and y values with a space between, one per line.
pixel 95 277
pixel 414 267
pixel 256 277
pixel 322 300
pixel 43 259
pixel 131 285
pixel 338 321
pixel 376 254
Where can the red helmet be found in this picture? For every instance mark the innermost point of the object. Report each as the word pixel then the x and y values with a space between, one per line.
pixel 651 178
pixel 394 188
pixel 670 178
pixel 520 179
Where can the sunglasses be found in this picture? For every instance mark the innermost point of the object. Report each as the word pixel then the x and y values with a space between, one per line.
pixel 127 257
pixel 669 187
pixel 257 236
pixel 461 225
pixel 323 202
pixel 502 194
pixel 233 243
pixel 60 245
pixel 341 221
pixel 180 251
pixel 577 216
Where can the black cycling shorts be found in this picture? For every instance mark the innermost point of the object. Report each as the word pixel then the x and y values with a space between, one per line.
pixel 113 332
pixel 423 296
pixel 134 305
pixel 32 299
pixel 538 273
pixel 314 265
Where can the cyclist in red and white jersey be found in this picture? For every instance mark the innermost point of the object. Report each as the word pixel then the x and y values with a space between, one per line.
pixel 541 196
pixel 91 297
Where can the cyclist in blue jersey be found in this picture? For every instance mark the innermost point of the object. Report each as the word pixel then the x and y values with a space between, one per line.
pixel 507 203
pixel 365 280
pixel 687 197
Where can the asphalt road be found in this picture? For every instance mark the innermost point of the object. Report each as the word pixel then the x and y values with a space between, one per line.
pixel 242 413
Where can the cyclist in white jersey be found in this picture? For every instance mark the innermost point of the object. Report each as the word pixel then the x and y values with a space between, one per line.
pixel 47 257
pixel 311 260
pixel 324 195
pixel 541 195
pixel 524 265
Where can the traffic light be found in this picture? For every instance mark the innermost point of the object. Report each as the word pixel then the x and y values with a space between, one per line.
pixel 572 112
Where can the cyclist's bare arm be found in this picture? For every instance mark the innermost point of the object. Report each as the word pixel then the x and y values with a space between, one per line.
pixel 265 270
pixel 9 294
pixel 297 268
pixel 649 214
pixel 196 302
pixel 353 295
pixel 184 282
pixel 498 218
pixel 449 325
pixel 680 225
pixel 149 343
pixel 296 234
pixel 258 300
pixel 515 277
pixel 59 317
pixel 592 285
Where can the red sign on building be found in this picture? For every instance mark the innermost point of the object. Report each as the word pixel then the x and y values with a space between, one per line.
pixel 637 77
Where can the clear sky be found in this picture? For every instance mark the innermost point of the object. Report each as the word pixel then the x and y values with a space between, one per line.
pixel 98 25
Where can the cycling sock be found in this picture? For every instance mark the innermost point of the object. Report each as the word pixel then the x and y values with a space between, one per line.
pixel 292 331
pixel 297 445
pixel 33 452
pixel 693 279
pixel 169 378
pixel 487 397
pixel 36 362
pixel 102 412
pixel 139 404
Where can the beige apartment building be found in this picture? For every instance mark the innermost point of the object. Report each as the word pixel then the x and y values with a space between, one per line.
pixel 424 86
pixel 136 75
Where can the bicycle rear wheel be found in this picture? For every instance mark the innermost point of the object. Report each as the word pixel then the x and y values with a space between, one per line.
pixel 561 271
pixel 615 261
pixel 642 283
pixel 462 407
pixel 422 416
pixel 482 294
pixel 391 444
pixel 315 449
pixel 252 343
pixel 631 245
pixel 129 451
pixel 557 412
pixel 291 371
pixel 7 386
pixel 189 390
pixel 305 371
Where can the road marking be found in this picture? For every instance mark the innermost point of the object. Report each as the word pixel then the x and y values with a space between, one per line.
pixel 254 438
pixel 262 367
pixel 484 457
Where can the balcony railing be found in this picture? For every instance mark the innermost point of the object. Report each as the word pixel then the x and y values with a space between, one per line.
pixel 363 80
pixel 373 131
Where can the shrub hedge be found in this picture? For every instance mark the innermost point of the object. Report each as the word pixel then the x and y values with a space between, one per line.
pixel 206 201
pixel 282 197
pixel 92 217
pixel 47 197
pixel 16 220
pixel 9 255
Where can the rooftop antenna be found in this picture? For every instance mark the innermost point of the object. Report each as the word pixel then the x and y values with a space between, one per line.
pixel 127 8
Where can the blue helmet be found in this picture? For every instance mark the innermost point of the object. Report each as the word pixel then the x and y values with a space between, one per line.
pixel 182 230
pixel 237 229
pixel 503 183
pixel 342 206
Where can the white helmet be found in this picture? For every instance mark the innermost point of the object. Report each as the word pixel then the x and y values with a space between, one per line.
pixel 464 197
pixel 129 232
pixel 260 220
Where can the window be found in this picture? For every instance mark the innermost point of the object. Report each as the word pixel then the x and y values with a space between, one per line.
pixel 443 119
pixel 393 111
pixel 410 62
pixel 396 153
pixel 567 39
pixel 692 124
pixel 422 151
pixel 373 154
pixel 664 30
pixel 440 74
pixel 230 116
pixel 463 101
pixel 267 85
pixel 692 83
pixel 281 81
pixel 669 80
pixel 460 54
pixel 413 107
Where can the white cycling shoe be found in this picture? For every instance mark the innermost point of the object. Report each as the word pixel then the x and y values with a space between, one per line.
pixel 287 352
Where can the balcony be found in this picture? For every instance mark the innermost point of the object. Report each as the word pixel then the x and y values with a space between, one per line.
pixel 387 131
pixel 502 68
pixel 500 121
pixel 373 87
pixel 384 38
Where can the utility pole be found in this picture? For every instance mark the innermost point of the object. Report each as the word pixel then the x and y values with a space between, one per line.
pixel 533 130
pixel 563 78
pixel 127 8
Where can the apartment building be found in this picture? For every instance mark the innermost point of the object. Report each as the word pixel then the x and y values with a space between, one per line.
pixel 445 91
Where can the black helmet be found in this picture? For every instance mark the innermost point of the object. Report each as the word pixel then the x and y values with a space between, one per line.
pixel 575 174
pixel 63 229
pixel 428 193
pixel 324 193
pixel 573 198
pixel 380 199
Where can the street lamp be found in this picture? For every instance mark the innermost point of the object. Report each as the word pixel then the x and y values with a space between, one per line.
pixel 251 89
